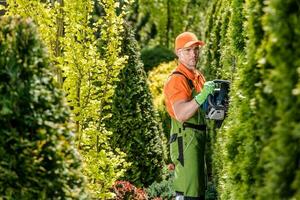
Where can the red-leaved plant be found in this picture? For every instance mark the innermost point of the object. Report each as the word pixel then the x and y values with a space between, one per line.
pixel 124 190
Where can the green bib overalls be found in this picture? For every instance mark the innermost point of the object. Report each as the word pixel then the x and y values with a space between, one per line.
pixel 187 147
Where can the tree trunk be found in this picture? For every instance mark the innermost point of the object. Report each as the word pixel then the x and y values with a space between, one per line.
pixel 168 22
pixel 59 34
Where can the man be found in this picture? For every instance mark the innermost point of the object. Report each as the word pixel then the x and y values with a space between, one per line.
pixel 185 91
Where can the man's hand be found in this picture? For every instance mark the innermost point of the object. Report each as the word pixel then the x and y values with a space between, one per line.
pixel 207 89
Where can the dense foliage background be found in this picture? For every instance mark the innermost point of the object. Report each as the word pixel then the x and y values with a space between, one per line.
pixel 111 59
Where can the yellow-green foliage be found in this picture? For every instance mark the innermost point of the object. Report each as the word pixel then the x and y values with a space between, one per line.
pixel 157 78
pixel 43 14
pixel 89 85
pixel 90 67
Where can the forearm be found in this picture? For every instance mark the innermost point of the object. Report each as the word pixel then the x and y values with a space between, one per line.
pixel 184 110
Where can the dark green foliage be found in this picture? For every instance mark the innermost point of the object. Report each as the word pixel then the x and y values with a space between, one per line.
pixel 211 192
pixel 134 124
pixel 159 22
pixel 152 57
pixel 236 32
pixel 213 34
pixel 38 160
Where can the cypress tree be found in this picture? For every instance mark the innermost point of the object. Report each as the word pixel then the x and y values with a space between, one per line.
pixel 38 159
pixel 136 130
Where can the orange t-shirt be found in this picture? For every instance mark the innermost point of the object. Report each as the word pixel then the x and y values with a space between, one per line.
pixel 177 87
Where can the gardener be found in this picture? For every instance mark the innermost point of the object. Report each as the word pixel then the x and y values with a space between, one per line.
pixel 185 91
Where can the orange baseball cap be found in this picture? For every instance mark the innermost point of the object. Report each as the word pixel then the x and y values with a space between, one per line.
pixel 187 39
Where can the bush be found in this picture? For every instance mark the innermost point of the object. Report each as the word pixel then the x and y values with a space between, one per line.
pixel 38 159
pixel 163 189
pixel 211 192
pixel 152 57
pixel 134 123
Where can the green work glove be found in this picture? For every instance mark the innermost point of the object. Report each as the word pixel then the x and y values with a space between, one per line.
pixel 207 89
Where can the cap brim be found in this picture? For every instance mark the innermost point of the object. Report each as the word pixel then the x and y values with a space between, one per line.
pixel 194 43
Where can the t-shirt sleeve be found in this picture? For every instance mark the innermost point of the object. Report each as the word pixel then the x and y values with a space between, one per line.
pixel 177 88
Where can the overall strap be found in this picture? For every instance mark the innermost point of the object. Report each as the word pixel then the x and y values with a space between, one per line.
pixel 194 125
pixel 200 127
pixel 190 82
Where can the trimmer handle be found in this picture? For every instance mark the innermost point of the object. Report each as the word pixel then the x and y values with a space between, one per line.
pixel 221 81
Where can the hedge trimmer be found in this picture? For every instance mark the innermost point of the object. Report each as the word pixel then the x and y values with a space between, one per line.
pixel 216 105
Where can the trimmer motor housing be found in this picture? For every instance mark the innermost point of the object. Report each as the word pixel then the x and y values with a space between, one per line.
pixel 216 105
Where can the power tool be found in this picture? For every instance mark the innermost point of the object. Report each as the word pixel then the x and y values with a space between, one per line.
pixel 216 104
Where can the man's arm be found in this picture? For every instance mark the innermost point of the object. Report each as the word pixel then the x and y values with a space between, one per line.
pixel 184 110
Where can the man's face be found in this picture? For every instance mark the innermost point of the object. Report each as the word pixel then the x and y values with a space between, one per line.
pixel 189 56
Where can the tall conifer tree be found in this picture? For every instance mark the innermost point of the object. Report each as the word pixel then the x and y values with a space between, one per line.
pixel 134 124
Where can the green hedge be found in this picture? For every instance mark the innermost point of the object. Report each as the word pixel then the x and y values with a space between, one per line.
pixel 279 63
pixel 38 159
pixel 259 141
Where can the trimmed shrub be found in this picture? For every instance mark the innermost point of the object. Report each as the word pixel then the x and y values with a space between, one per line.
pixel 259 140
pixel 278 59
pixel 136 130
pixel 152 57
pixel 38 159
